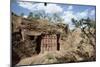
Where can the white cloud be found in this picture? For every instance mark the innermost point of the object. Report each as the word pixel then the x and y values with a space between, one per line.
pixel 92 12
pixel 26 5
pixel 83 14
pixel 50 8
pixel 53 8
pixel 67 16
pixel 70 7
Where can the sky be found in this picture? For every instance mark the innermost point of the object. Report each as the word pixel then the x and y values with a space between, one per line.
pixel 66 11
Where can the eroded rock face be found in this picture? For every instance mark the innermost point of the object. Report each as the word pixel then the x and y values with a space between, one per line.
pixel 74 45
pixel 21 49
pixel 57 57
pixel 74 48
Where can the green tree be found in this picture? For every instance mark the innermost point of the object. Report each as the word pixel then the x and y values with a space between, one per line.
pixel 57 18
pixel 30 16
pixel 39 14
pixel 86 25
pixel 22 14
pixel 75 22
